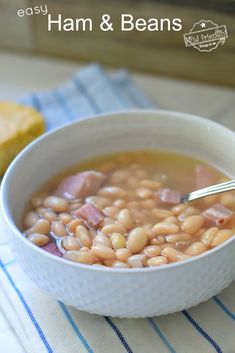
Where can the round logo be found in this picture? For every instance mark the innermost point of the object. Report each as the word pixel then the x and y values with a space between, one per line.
pixel 205 36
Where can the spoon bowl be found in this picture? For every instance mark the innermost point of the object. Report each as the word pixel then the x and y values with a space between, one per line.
pixel 208 191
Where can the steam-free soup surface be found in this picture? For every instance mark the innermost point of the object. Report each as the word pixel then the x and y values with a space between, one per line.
pixel 124 210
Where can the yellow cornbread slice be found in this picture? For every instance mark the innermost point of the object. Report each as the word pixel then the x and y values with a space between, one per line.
pixel 19 125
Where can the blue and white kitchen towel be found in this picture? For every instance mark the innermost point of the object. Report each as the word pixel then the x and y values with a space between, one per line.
pixel 91 91
pixel 46 325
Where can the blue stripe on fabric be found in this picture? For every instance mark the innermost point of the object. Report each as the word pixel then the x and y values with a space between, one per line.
pixel 64 105
pixel 122 79
pixel 28 310
pixel 119 334
pixel 202 331
pixel 98 87
pixel 11 262
pixel 117 92
pixel 75 327
pixel 90 99
pixel 161 335
pixel 36 103
pixel 224 308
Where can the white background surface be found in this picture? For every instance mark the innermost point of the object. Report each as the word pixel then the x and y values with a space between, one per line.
pixel 20 75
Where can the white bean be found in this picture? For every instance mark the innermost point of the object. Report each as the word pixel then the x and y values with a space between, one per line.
pixel 150 184
pixel 123 254
pixel 159 240
pixel 119 264
pixel 144 193
pixel 174 255
pixel 157 261
pixel 50 216
pixel 228 200
pixel 137 261
pixel 107 221
pixel 103 252
pixel 111 211
pixel 172 219
pixel 152 250
pixel 221 236
pixel 209 235
pixel 102 239
pixel 178 209
pixel 189 211
pixel 38 239
pixel 99 201
pixel 125 218
pixel 148 204
pixel 120 203
pixel 192 224
pixel 137 239
pixel 70 243
pixel 164 228
pixel 83 257
pixel 118 241
pixel 58 228
pixel 57 204
pixel 161 213
pixel 112 192
pixel 83 235
pixel 41 226
pixel 71 226
pixel 30 219
pixel 119 176
pixel 196 248
pixel 173 238
pixel 65 218
pixel 113 228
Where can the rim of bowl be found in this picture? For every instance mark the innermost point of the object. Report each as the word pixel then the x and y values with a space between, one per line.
pixel 11 224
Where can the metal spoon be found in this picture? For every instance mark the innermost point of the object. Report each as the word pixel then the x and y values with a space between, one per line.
pixel 210 190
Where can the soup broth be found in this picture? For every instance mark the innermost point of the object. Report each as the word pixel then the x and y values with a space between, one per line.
pixel 124 210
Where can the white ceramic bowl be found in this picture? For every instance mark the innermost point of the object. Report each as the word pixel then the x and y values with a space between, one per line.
pixel 108 291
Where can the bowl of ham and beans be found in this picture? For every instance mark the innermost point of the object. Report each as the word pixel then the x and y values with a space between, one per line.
pixel 107 210
pixel 126 212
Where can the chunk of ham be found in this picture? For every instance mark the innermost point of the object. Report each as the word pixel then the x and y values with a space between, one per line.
pixel 90 214
pixel 217 215
pixel 170 196
pixel 81 185
pixel 52 249
pixel 204 177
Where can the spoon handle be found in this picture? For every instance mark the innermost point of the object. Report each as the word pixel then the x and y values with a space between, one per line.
pixel 210 190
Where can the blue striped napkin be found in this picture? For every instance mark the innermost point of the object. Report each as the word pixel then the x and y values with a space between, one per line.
pixel 90 91
pixel 45 325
